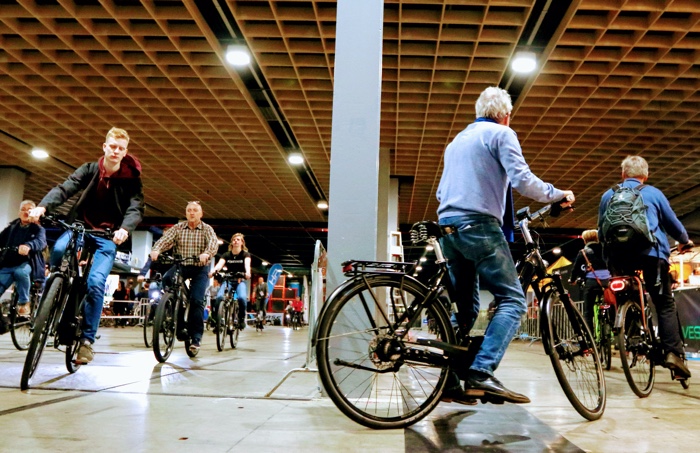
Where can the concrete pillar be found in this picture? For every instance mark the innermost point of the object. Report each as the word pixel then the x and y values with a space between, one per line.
pixel 354 175
pixel 141 243
pixel 12 190
pixel 383 205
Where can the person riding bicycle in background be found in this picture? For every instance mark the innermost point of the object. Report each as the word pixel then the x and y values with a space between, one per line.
pixel 260 292
pixel 112 198
pixel 236 259
pixel 653 262
pixel 589 267
pixel 191 238
pixel 480 165
pixel 24 265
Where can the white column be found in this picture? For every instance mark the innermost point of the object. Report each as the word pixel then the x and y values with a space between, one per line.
pixel 12 190
pixel 354 175
pixel 141 243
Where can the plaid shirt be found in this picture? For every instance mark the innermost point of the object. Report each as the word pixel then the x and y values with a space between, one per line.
pixel 189 242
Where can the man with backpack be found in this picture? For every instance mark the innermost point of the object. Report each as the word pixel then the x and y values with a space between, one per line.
pixel 633 220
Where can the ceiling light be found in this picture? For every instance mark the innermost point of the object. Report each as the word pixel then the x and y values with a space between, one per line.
pixel 322 204
pixel 39 153
pixel 556 250
pixel 524 62
pixel 265 263
pixel 237 55
pixel 295 158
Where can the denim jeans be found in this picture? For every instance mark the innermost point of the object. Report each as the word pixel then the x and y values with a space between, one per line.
pixel 478 256
pixel 102 262
pixel 199 276
pixel 21 275
pixel 241 295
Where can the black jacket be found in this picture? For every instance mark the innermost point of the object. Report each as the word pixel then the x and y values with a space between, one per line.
pixel 36 242
pixel 127 192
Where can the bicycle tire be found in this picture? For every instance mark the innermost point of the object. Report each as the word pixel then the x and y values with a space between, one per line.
pixel 399 393
pixel 48 310
pixel 221 325
pixel 148 327
pixel 164 328
pixel 579 372
pixel 233 328
pixel 21 326
pixel 71 354
pixel 635 344
pixel 606 346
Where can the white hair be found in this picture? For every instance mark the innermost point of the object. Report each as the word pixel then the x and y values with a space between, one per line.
pixel 493 103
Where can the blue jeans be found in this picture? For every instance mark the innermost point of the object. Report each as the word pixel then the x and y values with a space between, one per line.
pixel 21 275
pixel 199 276
pixel 102 262
pixel 478 255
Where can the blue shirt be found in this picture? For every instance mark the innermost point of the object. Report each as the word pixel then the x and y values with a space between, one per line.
pixel 660 217
pixel 478 165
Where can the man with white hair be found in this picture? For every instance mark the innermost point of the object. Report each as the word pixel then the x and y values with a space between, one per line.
pixel 480 165
pixel 22 261
pixel 653 262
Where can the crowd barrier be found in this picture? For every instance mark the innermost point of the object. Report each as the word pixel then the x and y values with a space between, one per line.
pixel 139 311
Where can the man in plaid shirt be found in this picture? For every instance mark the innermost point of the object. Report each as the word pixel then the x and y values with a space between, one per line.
pixel 197 242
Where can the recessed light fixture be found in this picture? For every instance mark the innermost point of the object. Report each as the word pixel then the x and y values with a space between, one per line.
pixel 295 158
pixel 237 55
pixel 39 153
pixel 265 263
pixel 524 62
pixel 322 204
pixel 556 250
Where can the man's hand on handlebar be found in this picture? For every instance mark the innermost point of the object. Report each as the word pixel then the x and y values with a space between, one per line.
pixel 120 236
pixel 569 199
pixel 154 255
pixel 686 247
pixel 36 213
pixel 204 258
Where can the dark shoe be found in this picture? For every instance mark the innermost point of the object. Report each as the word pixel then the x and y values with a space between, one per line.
pixel 457 395
pixel 481 385
pixel 676 364
pixel 194 348
pixel 182 335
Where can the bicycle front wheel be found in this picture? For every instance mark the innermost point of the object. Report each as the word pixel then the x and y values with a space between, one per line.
pixel 49 309
pixel 375 371
pixel 574 356
pixel 148 326
pixel 164 328
pixel 222 316
pixel 232 326
pixel 635 343
pixel 21 326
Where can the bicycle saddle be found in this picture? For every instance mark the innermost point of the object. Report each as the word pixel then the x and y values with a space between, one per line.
pixel 422 231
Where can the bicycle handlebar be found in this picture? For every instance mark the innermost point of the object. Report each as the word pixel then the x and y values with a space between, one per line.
pixel 231 275
pixel 79 227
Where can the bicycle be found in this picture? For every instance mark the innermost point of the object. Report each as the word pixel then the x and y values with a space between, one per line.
pixel 379 366
pixel 21 326
pixel 566 338
pixel 227 323
pixel 640 347
pixel 60 310
pixel 259 321
pixel 170 320
pixel 603 328
pixel 154 296
pixel 296 320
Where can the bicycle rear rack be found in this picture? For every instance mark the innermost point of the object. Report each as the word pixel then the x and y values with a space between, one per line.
pixel 353 268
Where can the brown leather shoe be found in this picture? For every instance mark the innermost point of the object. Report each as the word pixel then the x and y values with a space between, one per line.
pixel 457 395
pixel 482 385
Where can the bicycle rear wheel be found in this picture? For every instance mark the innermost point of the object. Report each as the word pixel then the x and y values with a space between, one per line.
pixel 635 343
pixel 164 328
pixel 71 354
pixel 221 325
pixel 21 326
pixel 232 326
pixel 368 365
pixel 574 357
pixel 606 346
pixel 49 309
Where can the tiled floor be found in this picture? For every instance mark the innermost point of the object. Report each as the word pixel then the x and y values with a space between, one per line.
pixel 126 401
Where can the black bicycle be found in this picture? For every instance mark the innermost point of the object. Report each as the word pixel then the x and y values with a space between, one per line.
pixel 149 310
pixel 227 322
pixel 567 339
pixel 60 311
pixel 21 326
pixel 170 320
pixel 604 322
pixel 382 369
pixel 640 347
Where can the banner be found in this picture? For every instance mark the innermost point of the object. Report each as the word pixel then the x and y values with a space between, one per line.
pixel 272 276
pixel 688 304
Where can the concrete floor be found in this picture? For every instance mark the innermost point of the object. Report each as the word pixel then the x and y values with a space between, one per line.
pixel 126 401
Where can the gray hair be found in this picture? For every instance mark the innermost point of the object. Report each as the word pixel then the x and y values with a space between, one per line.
pixel 634 167
pixel 27 202
pixel 493 103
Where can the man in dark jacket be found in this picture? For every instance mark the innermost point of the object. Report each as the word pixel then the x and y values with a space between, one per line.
pixel 22 262
pixel 112 198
